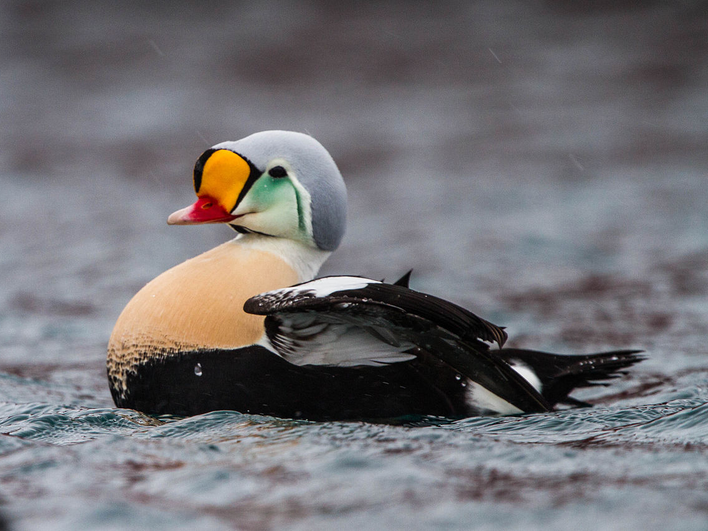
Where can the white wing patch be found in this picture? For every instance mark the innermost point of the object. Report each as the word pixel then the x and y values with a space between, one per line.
pixel 324 287
pixel 319 338
pixel 309 339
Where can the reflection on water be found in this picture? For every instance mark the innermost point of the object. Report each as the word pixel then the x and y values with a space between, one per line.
pixel 541 163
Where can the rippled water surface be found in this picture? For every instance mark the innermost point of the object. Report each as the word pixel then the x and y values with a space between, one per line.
pixel 540 163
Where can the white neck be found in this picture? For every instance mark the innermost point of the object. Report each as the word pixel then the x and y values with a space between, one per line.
pixel 305 260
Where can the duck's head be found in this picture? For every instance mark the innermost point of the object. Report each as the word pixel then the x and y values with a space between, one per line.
pixel 278 183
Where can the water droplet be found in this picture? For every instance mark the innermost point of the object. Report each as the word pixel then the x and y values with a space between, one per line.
pixel 198 369
pixel 464 384
pixel 458 377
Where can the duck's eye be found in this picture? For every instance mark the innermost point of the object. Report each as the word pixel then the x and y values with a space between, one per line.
pixel 277 171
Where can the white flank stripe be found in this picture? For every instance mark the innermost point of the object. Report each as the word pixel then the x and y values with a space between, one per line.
pixel 527 374
pixel 482 398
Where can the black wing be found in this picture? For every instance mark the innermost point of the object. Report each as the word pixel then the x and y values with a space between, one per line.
pixel 351 321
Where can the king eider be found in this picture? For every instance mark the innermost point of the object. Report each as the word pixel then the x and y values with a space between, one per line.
pixel 245 327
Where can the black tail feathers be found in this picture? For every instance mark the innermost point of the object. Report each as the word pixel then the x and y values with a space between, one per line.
pixel 560 374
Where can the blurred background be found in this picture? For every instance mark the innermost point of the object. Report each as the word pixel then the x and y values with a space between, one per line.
pixel 544 163
pixel 506 151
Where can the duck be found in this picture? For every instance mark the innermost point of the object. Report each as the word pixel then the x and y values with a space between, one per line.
pixel 247 326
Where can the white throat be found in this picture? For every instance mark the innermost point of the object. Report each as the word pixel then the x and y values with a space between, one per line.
pixel 304 259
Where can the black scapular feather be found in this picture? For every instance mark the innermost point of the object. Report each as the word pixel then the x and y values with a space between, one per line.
pixel 447 331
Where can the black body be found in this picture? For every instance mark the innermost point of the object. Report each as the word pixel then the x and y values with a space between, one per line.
pixel 254 380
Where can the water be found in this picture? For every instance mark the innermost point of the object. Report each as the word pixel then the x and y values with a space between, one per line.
pixel 541 164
